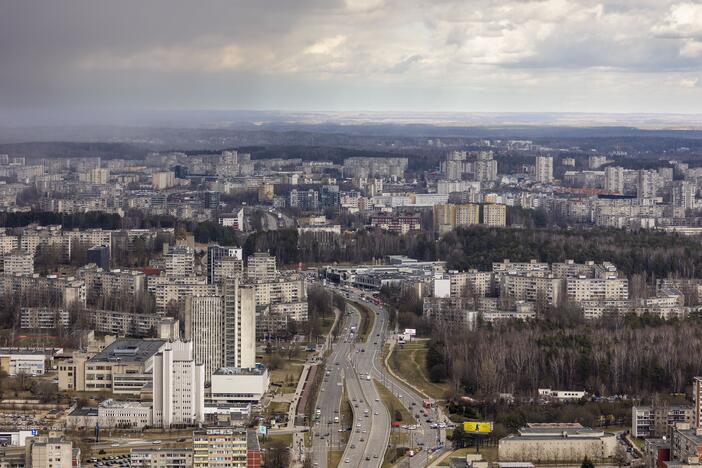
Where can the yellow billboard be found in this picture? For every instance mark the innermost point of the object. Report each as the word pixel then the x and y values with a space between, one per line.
pixel 477 427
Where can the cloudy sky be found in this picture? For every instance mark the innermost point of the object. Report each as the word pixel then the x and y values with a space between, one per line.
pixel 434 55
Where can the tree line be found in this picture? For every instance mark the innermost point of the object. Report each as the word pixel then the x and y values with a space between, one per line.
pixel 609 357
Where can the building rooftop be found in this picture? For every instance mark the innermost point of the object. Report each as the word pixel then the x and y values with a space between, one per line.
pixel 84 411
pixel 31 351
pixel 110 403
pixel 129 350
pixel 557 431
pixel 240 371
pixel 252 442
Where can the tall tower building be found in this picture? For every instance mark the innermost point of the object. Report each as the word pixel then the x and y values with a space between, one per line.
pixel 485 167
pixel 614 179
pixel 204 321
pixel 239 324
pixel 684 193
pixel 647 184
pixel 178 386
pixel 543 170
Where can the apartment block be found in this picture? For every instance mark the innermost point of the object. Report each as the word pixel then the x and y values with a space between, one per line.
pixel 494 215
pixel 18 262
pixel 543 169
pixel 204 326
pixel 43 318
pixel 261 266
pixel 657 420
pixel 220 447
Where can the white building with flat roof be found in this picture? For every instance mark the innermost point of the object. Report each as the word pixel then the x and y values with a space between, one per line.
pixel 236 385
pixel 178 386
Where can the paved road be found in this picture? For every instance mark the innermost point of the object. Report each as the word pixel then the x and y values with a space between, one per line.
pixel 325 431
pixel 356 361
pixel 423 435
pixel 370 412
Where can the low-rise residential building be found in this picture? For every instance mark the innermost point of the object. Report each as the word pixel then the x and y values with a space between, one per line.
pixel 43 318
pixel 656 420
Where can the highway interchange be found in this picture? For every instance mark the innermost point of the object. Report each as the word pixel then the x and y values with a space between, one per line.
pixel 348 367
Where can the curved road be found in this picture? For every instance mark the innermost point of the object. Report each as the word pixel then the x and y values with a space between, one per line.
pixel 349 366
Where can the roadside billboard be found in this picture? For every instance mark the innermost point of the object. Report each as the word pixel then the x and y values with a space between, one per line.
pixel 476 427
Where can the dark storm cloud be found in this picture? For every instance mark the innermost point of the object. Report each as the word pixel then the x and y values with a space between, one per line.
pixel 349 54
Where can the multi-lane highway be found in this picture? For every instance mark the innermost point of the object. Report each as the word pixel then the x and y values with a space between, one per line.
pixel 423 435
pixel 355 366
pixel 326 435
pixel 371 428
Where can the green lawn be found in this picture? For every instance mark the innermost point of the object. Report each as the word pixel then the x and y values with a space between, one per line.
pixel 408 362
pixel 393 404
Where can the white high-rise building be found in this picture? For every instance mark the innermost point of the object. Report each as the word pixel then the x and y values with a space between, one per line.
pixel 543 170
pixel 239 324
pixel 178 386
pixel 614 179
pixel 647 184
pixel 204 326
pixel 684 193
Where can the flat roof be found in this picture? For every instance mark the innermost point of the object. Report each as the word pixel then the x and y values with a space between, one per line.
pixel 30 351
pixel 129 350
pixel 84 411
pixel 240 371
